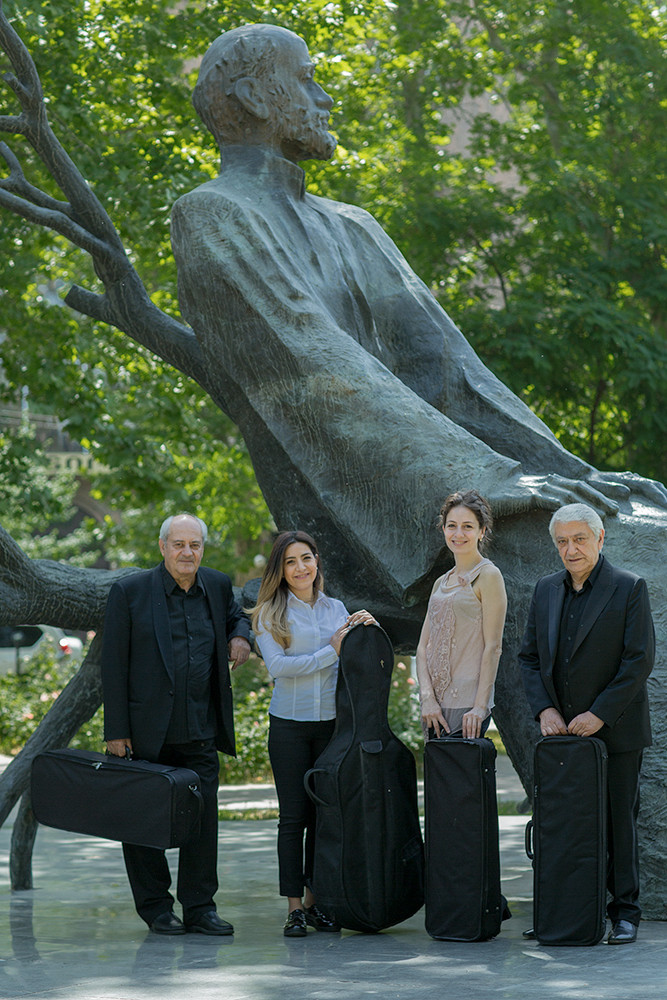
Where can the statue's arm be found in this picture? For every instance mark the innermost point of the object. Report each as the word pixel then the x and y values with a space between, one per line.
pixel 41 590
pixel 431 356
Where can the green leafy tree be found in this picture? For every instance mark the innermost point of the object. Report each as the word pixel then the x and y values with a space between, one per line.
pixel 543 233
pixel 119 101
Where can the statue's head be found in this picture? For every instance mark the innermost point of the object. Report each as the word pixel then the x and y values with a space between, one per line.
pixel 256 86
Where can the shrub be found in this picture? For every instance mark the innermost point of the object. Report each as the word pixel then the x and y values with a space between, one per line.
pixel 252 694
pixel 26 698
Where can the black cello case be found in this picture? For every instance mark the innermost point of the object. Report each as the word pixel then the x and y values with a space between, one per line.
pixel 369 855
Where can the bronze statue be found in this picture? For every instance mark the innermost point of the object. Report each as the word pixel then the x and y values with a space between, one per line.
pixel 360 401
pixel 335 360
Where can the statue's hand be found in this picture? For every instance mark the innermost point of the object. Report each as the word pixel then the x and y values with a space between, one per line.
pixel 621 485
pixel 553 491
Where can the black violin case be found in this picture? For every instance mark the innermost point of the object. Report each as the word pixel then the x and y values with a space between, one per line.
pixel 463 898
pixel 369 857
pixel 135 801
pixel 567 840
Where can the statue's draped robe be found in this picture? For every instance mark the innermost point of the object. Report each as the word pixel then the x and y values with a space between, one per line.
pixel 340 367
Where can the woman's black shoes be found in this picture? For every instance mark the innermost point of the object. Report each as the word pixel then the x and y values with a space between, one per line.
pixel 298 922
pixel 295 925
pixel 315 918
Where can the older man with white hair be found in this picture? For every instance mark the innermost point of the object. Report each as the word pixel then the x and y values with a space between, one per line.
pixel 169 637
pixel 587 652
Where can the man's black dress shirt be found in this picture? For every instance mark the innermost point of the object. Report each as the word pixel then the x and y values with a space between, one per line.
pixel 193 644
pixel 571 616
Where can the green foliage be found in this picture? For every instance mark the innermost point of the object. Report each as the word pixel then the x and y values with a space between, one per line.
pixel 32 498
pixel 513 150
pixel 26 488
pixel 252 694
pixel 27 697
pixel 580 263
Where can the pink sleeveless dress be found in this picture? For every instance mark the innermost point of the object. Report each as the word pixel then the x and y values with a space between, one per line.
pixel 456 644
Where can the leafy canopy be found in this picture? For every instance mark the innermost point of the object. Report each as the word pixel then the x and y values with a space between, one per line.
pixel 514 151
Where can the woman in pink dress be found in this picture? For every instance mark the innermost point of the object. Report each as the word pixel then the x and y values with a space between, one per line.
pixel 461 639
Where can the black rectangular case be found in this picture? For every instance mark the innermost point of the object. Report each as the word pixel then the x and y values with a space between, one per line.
pixel 134 801
pixel 463 898
pixel 567 840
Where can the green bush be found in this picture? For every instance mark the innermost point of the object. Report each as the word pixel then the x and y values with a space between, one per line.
pixel 252 694
pixel 404 712
pixel 26 698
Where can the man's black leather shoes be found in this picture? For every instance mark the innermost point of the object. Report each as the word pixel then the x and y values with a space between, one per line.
pixel 623 932
pixel 529 934
pixel 167 923
pixel 210 923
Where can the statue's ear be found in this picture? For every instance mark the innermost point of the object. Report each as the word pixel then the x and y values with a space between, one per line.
pixel 250 94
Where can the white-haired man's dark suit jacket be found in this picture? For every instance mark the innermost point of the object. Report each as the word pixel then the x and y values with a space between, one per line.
pixel 138 680
pixel 612 657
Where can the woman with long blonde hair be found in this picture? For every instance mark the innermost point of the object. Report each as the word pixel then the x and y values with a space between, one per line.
pixel 299 631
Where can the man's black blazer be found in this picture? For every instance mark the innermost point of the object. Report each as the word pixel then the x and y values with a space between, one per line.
pixel 137 660
pixel 612 655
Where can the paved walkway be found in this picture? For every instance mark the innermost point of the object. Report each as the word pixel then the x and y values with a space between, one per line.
pixel 76 936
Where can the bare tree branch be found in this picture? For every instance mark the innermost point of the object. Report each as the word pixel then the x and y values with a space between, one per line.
pixel 19 185
pixel 59 222
pixel 83 220
pixel 26 84
pixel 36 129
pixel 11 123
pixel 24 832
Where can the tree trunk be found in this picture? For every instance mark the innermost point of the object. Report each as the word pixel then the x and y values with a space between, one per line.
pixel 23 841
pixel 77 703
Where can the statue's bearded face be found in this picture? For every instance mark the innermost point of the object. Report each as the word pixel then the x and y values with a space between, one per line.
pixel 301 106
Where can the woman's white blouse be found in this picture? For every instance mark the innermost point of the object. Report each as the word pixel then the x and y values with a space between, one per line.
pixel 305 673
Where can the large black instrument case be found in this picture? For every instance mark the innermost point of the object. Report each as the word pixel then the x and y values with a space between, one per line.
pixel 134 801
pixel 463 898
pixel 567 840
pixel 369 854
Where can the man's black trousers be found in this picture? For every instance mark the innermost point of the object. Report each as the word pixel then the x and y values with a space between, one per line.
pixel 147 867
pixel 623 808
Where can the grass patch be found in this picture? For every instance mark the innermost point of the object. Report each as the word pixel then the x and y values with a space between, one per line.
pixel 512 808
pixel 241 814
pixel 497 740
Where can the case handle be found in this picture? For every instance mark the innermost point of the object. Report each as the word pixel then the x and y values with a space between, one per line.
pixel 530 847
pixel 307 785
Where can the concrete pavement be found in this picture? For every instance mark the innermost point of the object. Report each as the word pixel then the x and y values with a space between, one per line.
pixel 75 936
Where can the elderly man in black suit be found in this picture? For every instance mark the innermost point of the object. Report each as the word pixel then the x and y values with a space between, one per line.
pixel 587 652
pixel 169 635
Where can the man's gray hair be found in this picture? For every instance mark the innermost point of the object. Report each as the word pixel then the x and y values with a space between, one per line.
pixel 576 512
pixel 166 525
